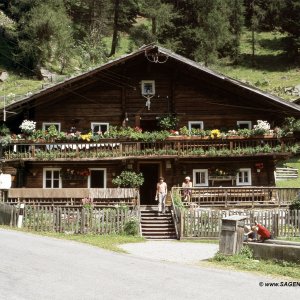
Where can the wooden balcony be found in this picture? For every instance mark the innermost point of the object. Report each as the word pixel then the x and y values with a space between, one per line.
pixel 117 149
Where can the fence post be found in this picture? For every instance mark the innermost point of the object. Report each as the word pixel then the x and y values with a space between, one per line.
pixel 82 220
pixel 182 215
pixel 275 224
pixel 21 215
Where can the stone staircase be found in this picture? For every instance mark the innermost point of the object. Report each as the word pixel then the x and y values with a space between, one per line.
pixel 156 225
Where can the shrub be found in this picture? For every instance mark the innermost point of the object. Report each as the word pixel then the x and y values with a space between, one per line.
pixel 246 252
pixel 131 227
pixel 129 179
pixel 296 203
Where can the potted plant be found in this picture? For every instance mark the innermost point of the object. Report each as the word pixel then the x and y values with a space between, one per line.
pixel 168 122
pixel 262 129
pixel 129 179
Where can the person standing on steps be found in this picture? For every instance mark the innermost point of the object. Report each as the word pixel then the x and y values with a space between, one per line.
pixel 161 194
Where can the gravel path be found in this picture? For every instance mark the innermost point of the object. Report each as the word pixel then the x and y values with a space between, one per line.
pixel 173 251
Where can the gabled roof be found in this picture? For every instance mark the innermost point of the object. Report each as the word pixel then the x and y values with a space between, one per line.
pixel 141 51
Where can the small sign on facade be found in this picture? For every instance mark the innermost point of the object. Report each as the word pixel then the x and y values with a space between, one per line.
pixel 5 181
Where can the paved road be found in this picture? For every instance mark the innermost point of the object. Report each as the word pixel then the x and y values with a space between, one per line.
pixel 172 251
pixel 34 267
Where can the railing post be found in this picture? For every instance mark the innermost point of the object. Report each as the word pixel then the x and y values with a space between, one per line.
pixel 182 215
pixel 252 198
pixel 32 150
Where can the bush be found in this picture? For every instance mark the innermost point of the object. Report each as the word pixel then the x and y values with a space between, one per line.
pixel 246 252
pixel 129 179
pixel 131 227
pixel 296 203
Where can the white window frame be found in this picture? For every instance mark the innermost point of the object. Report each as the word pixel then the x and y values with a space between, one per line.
pixel 143 83
pixel 104 177
pixel 194 177
pixel 201 123
pixel 248 170
pixel 51 123
pixel 249 123
pixel 44 178
pixel 93 124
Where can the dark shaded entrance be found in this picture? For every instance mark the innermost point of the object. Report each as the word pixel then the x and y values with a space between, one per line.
pixel 149 125
pixel 148 189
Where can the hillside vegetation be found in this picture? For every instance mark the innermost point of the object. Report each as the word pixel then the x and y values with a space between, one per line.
pixel 253 41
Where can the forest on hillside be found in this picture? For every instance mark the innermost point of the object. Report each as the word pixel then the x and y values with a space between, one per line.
pixel 68 35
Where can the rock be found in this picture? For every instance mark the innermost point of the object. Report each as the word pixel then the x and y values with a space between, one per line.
pixel 3 76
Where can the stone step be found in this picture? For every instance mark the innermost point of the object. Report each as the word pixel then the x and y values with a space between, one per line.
pixel 166 237
pixel 156 222
pixel 159 226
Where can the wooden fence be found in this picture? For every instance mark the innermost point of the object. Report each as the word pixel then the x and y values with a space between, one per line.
pixel 8 214
pixel 207 223
pixel 286 173
pixel 77 220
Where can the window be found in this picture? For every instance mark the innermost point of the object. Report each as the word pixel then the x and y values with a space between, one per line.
pixel 99 127
pixel 47 125
pixel 148 87
pixel 244 177
pixel 196 125
pixel 51 178
pixel 200 177
pixel 244 124
pixel 97 178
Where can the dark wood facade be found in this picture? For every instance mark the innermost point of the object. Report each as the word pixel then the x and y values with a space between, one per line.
pixel 112 94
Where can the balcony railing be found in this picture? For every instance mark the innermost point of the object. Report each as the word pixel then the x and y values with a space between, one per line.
pixel 114 148
pixel 253 196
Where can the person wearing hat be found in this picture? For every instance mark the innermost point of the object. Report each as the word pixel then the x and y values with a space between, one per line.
pixel 249 234
pixel 187 185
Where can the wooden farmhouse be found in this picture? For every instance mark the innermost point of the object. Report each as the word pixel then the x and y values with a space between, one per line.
pixel 139 90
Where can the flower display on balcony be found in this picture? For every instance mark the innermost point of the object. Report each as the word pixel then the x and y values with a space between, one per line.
pixel 28 126
pixel 74 174
pixel 215 133
pixel 262 127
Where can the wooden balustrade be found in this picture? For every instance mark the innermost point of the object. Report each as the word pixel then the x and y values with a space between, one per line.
pixel 102 197
pixel 238 196
pixel 115 148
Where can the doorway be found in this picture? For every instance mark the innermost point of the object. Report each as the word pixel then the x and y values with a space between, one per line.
pixel 149 125
pixel 148 189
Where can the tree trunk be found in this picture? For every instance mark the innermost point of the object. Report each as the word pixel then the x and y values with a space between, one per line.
pixel 115 30
pixel 253 46
pixel 154 25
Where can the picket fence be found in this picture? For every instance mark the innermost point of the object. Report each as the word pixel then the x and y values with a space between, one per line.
pixel 76 220
pixel 207 223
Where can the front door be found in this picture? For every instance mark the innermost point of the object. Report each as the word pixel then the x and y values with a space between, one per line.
pixel 148 189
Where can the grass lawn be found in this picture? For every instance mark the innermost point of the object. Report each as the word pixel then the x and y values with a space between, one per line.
pixel 108 242
pixel 272 70
pixel 244 262
pixel 290 183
